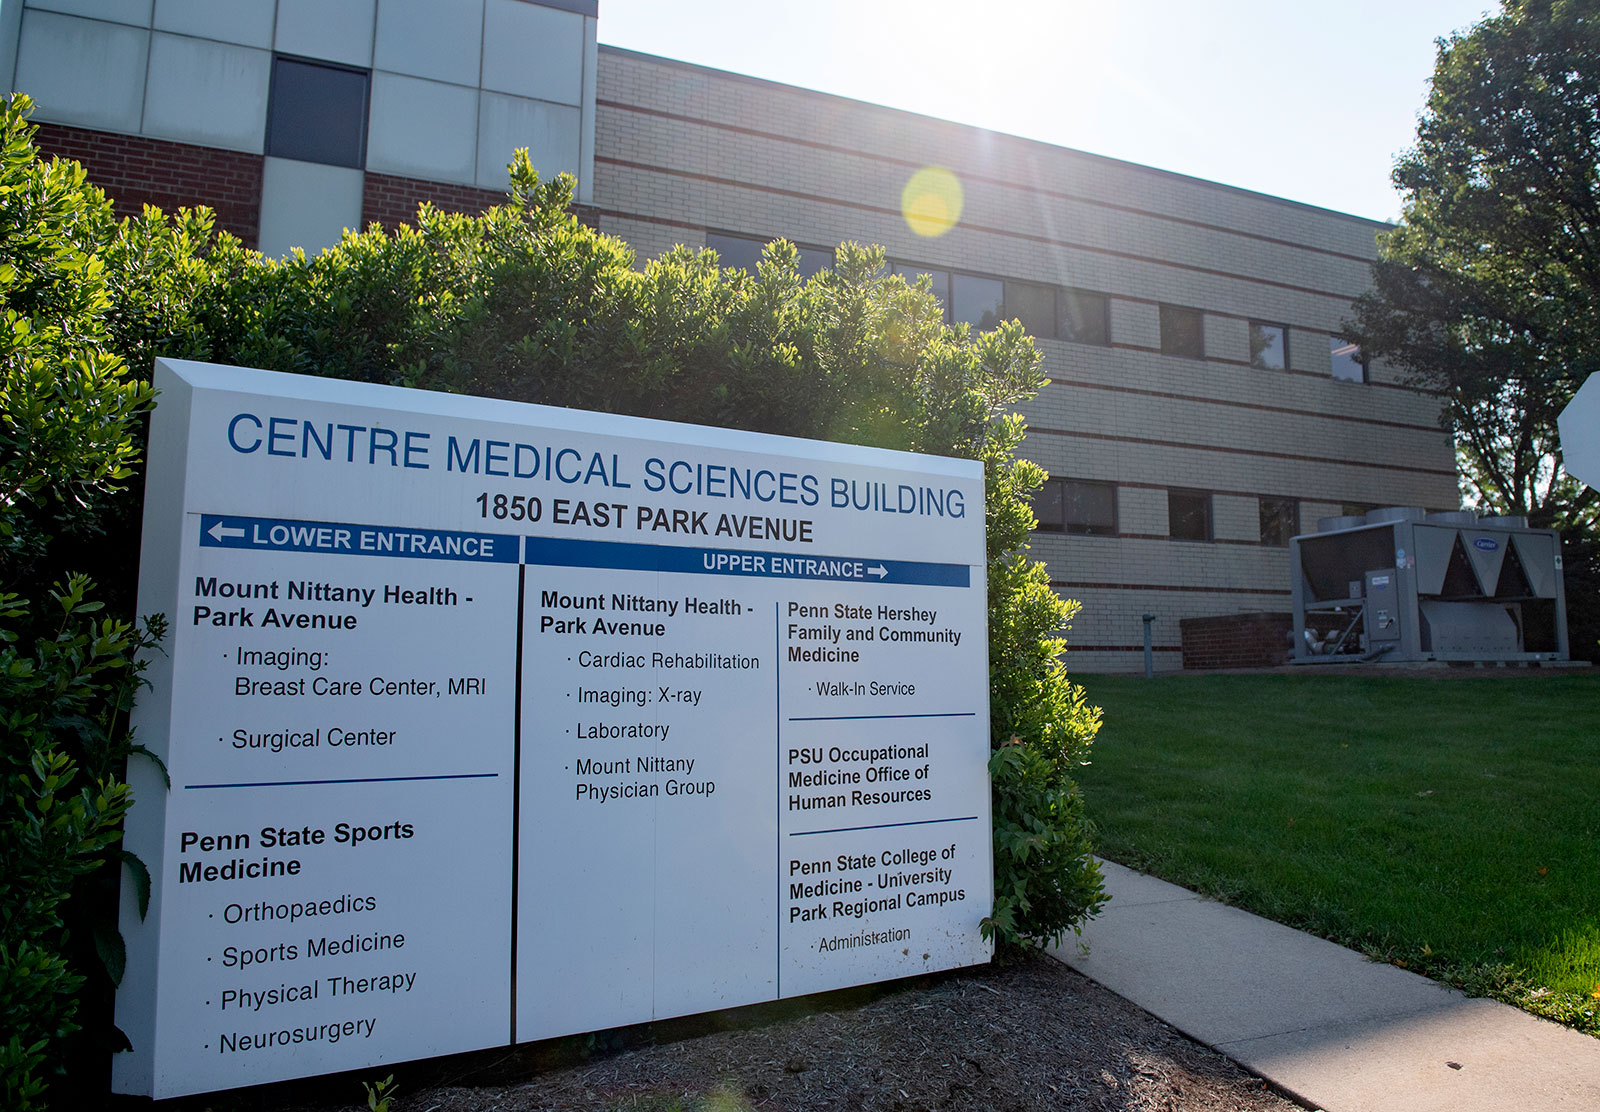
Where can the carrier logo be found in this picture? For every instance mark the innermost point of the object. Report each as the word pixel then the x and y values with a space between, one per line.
pixel 1486 544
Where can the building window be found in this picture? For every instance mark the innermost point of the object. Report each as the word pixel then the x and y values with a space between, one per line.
pixel 1076 506
pixel 1269 346
pixel 1189 515
pixel 1349 365
pixel 1280 520
pixel 744 253
pixel 1046 311
pixel 317 112
pixel 938 279
pixel 979 302
pixel 1183 332
pixel 1034 305
pixel 1085 317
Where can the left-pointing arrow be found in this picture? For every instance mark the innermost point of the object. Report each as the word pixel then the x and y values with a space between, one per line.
pixel 219 530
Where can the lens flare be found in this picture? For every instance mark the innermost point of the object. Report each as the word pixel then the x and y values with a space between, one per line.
pixel 931 201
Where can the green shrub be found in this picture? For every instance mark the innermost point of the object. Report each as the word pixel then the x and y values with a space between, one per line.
pixel 68 441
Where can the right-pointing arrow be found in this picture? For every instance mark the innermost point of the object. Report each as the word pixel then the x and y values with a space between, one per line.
pixel 879 570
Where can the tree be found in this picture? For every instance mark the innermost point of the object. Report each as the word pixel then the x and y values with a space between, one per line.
pixel 1488 290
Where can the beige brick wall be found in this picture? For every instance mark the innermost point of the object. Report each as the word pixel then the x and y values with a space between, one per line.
pixel 680 150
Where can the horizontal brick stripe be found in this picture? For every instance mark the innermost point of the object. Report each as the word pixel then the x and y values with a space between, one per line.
pixel 136 171
pixel 1121 648
pixel 618 214
pixel 1257 452
pixel 1039 191
pixel 1065 585
pixel 1258 406
pixel 1006 233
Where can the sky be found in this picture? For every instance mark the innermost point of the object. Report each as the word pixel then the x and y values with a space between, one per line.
pixel 1306 100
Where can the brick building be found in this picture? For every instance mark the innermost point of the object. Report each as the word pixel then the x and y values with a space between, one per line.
pixel 1203 407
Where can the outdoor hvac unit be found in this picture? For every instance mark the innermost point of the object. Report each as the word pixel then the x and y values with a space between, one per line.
pixel 1401 584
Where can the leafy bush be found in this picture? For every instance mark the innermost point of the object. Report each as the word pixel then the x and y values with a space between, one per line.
pixel 68 441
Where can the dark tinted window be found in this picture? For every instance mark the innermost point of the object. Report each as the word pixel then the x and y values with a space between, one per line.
pixel 743 252
pixel 317 113
pixel 1189 515
pixel 1034 305
pixel 978 301
pixel 1280 520
pixel 813 259
pixel 1183 332
pixel 1077 506
pixel 1085 317
pixel 1348 363
pixel 1269 346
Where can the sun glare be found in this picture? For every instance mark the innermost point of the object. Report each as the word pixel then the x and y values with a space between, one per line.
pixel 931 201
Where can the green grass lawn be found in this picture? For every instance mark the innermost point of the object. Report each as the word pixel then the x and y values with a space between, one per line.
pixel 1449 825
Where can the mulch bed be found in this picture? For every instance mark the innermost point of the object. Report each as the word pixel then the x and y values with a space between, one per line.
pixel 1024 1035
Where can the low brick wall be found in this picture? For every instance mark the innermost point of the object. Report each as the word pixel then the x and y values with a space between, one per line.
pixel 392 201
pixel 135 171
pixel 1259 640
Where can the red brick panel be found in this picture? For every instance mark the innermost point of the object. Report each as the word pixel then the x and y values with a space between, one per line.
pixel 393 201
pixel 136 171
pixel 1258 640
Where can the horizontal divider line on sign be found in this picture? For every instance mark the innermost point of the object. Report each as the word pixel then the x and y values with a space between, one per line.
pixel 875 717
pixel 356 780
pixel 879 826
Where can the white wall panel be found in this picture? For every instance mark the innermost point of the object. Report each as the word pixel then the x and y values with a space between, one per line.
pixel 438 39
pixel 334 30
pixel 133 12
pixel 591 59
pixel 549 131
pixel 83 72
pixel 533 51
pixel 246 22
pixel 306 204
pixel 205 92
pixel 422 129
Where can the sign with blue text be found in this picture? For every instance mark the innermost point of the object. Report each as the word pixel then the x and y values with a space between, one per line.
pixel 489 722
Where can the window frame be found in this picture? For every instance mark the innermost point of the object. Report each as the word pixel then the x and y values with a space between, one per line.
pixel 275 106
pixel 1064 295
pixel 1085 527
pixel 1283 332
pixel 1178 312
pixel 944 285
pixel 1209 504
pixel 1293 528
pixel 810 263
pixel 1335 343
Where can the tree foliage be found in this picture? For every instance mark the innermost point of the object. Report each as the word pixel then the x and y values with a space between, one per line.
pixel 1488 290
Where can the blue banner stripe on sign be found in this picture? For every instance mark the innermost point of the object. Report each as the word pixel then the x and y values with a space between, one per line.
pixel 338 538
pixel 622 556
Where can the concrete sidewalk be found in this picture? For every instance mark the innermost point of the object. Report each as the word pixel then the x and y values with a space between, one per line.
pixel 1331 1028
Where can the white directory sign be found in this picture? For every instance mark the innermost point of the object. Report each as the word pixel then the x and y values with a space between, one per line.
pixel 488 722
